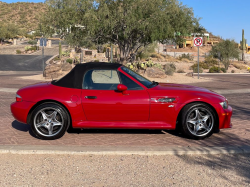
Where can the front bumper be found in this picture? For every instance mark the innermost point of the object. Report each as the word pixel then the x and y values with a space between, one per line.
pixel 20 110
pixel 225 117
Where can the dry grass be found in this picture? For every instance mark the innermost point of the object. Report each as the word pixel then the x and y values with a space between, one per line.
pixel 239 65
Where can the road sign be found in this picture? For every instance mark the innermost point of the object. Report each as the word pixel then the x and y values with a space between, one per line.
pixel 198 41
pixel 43 42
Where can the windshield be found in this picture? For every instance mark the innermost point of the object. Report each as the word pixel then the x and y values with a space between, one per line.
pixel 139 78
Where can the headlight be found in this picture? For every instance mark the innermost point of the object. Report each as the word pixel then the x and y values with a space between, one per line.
pixel 224 104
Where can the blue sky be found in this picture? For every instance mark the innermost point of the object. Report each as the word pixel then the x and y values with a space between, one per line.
pixel 225 18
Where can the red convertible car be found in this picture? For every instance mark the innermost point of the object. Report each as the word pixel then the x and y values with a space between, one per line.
pixel 105 95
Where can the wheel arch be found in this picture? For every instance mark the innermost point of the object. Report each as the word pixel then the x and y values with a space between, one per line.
pixel 48 101
pixel 178 120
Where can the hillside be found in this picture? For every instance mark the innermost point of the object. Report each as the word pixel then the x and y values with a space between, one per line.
pixel 24 15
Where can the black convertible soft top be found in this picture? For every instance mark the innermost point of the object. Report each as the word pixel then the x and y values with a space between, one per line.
pixel 75 77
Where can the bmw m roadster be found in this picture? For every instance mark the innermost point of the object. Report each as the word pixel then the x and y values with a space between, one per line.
pixel 107 95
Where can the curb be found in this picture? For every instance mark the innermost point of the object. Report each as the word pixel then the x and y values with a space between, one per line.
pixel 149 151
pixel 222 73
pixel 47 62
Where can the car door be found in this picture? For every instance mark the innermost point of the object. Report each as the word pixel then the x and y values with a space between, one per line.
pixel 102 102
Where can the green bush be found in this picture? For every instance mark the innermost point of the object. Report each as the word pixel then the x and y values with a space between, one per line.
pixel 195 69
pixel 69 60
pixel 215 69
pixel 32 42
pixel 223 69
pixel 187 56
pixel 96 60
pixel 201 65
pixel 18 52
pixel 233 71
pixel 33 48
pixel 210 61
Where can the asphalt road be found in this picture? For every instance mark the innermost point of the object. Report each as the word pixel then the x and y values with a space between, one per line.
pixel 225 81
pixel 22 62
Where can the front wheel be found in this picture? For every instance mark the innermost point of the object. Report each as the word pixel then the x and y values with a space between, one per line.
pixel 49 121
pixel 198 121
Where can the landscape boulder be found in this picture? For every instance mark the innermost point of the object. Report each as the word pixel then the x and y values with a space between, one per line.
pixel 190 74
pixel 155 73
pixel 66 66
pixel 53 71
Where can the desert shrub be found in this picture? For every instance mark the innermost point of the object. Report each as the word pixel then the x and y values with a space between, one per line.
pixel 201 65
pixel 66 53
pixel 69 60
pixel 210 61
pixel 173 66
pixel 181 71
pixel 223 69
pixel 96 60
pixel 233 71
pixel 33 48
pixel 195 70
pixel 18 52
pixel 239 65
pixel 156 55
pixel 32 42
pixel 215 69
pixel 56 58
pixel 169 70
pixel 187 56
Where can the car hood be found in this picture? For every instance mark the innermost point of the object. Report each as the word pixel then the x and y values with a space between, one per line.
pixel 183 87
pixel 164 86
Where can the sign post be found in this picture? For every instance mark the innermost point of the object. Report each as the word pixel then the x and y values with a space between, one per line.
pixel 43 42
pixel 198 41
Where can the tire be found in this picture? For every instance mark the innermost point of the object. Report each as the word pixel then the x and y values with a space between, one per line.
pixel 198 121
pixel 49 121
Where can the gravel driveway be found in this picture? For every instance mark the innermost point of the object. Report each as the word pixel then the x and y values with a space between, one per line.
pixel 134 170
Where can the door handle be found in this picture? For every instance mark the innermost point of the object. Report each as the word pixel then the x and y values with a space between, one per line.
pixel 90 97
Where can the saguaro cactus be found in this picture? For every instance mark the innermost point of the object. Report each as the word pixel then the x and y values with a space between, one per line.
pixel 243 45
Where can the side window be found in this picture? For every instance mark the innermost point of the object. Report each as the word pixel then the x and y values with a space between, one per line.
pixel 129 83
pixel 101 80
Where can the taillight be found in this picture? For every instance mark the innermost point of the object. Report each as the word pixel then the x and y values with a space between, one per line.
pixel 18 98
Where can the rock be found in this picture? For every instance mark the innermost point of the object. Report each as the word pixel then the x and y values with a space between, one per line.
pixel 52 68
pixel 190 74
pixel 155 73
pixel 66 67
pixel 53 75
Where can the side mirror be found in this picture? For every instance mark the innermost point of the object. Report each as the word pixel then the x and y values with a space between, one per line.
pixel 122 88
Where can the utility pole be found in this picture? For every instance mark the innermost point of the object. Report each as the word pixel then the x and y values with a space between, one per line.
pixel 43 42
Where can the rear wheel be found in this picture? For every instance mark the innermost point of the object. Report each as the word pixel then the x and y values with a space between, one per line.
pixel 198 121
pixel 49 121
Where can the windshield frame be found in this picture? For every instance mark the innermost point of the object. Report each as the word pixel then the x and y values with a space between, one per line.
pixel 147 83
